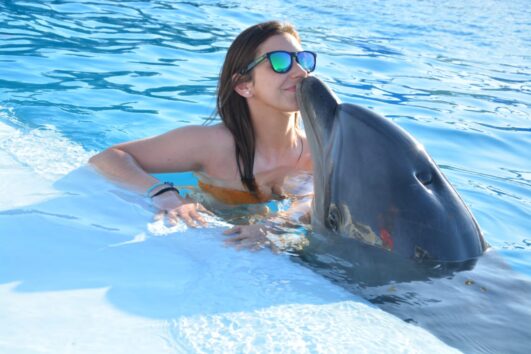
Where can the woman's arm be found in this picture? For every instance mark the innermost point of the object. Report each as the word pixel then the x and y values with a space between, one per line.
pixel 121 167
pixel 182 149
pixel 131 163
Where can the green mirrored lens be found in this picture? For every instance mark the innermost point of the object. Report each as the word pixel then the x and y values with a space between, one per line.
pixel 280 61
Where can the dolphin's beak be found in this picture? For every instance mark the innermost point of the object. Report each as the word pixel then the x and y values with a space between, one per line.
pixel 317 104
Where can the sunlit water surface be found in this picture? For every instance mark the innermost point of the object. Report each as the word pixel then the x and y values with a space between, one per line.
pixel 78 76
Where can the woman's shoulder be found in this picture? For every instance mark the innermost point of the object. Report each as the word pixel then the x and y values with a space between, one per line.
pixel 215 140
pixel 218 152
pixel 215 131
pixel 205 135
pixel 219 133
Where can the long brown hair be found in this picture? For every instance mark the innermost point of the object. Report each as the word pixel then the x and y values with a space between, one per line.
pixel 233 108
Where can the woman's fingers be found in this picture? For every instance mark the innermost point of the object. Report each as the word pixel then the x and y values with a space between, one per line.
pixel 237 239
pixel 198 218
pixel 159 215
pixel 247 237
pixel 173 219
pixel 186 210
pixel 233 230
pixel 188 214
pixel 188 220
pixel 202 209
pixel 240 243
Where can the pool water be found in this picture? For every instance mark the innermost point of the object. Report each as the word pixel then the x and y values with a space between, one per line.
pixel 85 268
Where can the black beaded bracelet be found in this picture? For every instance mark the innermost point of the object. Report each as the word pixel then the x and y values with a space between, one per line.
pixel 164 190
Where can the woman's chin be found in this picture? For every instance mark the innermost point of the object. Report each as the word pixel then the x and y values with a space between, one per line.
pixel 291 105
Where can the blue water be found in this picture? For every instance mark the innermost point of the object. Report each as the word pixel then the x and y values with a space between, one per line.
pixel 78 76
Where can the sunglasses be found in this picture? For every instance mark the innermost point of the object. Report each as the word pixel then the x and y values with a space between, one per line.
pixel 282 61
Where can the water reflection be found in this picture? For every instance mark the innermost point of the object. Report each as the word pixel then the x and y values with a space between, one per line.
pixel 456 75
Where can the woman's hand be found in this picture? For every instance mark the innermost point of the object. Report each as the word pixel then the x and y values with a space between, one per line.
pixel 252 237
pixel 174 207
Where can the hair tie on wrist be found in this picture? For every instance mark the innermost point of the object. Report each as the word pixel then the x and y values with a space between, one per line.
pixel 164 190
pixel 155 186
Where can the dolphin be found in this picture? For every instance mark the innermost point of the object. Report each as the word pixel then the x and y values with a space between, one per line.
pixel 382 207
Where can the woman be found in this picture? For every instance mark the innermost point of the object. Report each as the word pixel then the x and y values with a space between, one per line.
pixel 246 158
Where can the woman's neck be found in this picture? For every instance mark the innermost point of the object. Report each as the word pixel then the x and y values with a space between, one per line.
pixel 276 133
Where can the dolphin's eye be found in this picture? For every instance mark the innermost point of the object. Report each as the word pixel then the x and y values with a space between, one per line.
pixel 424 177
pixel 334 218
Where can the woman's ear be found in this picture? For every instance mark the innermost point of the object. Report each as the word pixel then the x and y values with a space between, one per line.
pixel 244 89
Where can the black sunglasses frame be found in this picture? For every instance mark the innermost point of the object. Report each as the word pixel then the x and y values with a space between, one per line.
pixel 292 55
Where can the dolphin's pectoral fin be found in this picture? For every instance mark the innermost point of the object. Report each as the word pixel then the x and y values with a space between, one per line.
pixel 356 230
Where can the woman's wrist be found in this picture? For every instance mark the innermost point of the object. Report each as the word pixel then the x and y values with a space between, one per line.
pixel 160 188
pixel 164 190
pixel 167 201
pixel 153 188
pixel 164 195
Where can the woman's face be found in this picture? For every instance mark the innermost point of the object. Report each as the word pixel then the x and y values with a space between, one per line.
pixel 272 89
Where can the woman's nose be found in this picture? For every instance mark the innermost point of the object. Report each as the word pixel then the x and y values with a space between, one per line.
pixel 297 71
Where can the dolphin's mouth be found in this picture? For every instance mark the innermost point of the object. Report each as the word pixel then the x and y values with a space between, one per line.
pixel 308 103
pixel 317 105
pixel 303 103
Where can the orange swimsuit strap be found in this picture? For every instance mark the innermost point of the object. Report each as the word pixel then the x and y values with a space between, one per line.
pixel 232 196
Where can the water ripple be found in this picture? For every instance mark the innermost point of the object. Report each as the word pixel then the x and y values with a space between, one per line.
pixel 79 75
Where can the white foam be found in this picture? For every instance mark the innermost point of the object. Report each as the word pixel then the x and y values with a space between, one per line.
pixel 19 185
pixel 30 161
pixel 45 151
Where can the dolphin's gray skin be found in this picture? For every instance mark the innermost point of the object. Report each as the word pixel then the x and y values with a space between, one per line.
pixel 380 202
